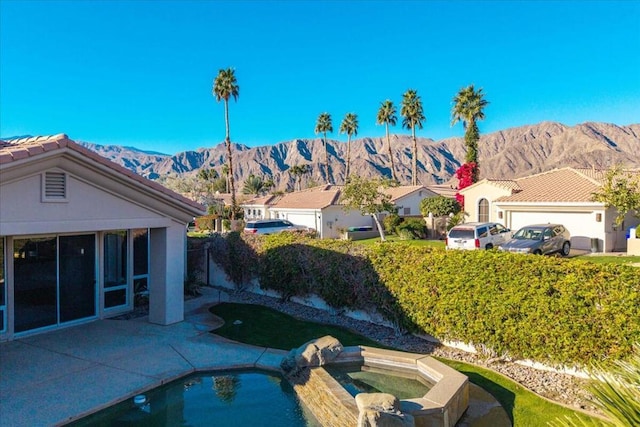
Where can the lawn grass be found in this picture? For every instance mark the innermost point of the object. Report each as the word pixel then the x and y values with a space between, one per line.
pixel 265 327
pixel 609 259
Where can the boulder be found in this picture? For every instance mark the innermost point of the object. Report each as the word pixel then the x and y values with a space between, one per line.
pixel 314 353
pixel 381 410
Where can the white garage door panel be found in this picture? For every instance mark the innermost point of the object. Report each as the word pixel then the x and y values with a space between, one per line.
pixel 581 225
pixel 302 219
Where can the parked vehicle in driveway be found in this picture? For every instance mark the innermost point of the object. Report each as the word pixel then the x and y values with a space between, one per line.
pixel 477 235
pixel 540 239
pixel 271 226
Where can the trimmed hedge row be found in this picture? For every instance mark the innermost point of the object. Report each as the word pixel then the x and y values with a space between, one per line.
pixel 552 310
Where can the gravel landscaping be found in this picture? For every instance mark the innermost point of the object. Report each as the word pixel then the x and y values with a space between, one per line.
pixel 561 388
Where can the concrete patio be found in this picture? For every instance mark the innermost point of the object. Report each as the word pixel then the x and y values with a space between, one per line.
pixel 53 378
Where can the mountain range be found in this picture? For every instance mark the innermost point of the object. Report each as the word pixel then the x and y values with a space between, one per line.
pixel 506 154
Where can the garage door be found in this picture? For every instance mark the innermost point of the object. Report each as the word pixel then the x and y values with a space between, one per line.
pixel 581 225
pixel 308 220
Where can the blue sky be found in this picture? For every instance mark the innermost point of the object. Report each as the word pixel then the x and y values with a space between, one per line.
pixel 139 73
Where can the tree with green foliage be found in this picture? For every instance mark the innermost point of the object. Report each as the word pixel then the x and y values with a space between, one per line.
pixel 468 108
pixel 349 126
pixel 225 86
pixel 369 197
pixel 413 117
pixel 254 185
pixel 387 116
pixel 620 190
pixel 298 171
pixel 439 206
pixel 324 125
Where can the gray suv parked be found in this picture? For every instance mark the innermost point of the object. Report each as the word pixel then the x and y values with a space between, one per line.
pixel 540 239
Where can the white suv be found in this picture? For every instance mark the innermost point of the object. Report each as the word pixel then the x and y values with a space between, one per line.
pixel 477 235
pixel 270 226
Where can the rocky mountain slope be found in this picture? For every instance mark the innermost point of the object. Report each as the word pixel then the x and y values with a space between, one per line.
pixel 505 154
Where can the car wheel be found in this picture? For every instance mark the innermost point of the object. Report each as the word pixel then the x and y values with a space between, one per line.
pixel 537 252
pixel 489 247
pixel 566 248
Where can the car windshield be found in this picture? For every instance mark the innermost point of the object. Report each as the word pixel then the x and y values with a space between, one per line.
pixel 528 234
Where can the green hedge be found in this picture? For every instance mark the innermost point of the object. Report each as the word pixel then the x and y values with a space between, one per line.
pixel 552 310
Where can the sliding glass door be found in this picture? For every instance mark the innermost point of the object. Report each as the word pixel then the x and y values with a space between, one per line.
pixel 35 283
pixel 54 280
pixel 77 268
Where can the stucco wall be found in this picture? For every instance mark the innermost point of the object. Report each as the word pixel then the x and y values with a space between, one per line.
pixel 487 191
pixel 87 208
pixel 412 201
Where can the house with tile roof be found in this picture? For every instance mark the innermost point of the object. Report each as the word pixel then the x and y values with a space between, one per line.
pixel 320 208
pixel 257 207
pixel 561 196
pixel 80 235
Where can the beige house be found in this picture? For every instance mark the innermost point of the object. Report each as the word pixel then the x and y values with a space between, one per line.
pixel 80 235
pixel 558 196
pixel 320 208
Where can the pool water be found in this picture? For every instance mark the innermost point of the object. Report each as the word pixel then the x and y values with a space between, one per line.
pixel 356 378
pixel 234 398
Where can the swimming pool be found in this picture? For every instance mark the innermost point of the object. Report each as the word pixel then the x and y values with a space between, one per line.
pixel 229 398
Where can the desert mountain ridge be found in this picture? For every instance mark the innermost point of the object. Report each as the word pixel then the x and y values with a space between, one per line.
pixel 505 154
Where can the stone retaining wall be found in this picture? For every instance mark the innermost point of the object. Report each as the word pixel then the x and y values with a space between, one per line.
pixel 329 402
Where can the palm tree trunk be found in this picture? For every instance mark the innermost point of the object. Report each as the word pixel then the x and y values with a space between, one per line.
pixel 326 158
pixel 230 160
pixel 393 169
pixel 346 178
pixel 414 178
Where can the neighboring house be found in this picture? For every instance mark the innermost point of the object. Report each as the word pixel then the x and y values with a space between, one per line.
pixel 407 198
pixel 257 207
pixel 319 208
pixel 558 196
pixel 80 234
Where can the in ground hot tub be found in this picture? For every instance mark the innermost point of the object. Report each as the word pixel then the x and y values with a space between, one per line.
pixel 441 404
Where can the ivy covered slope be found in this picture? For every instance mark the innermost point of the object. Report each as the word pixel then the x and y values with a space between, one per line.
pixel 556 311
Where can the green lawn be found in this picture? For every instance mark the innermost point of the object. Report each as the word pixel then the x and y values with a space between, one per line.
pixel 266 327
pixel 609 259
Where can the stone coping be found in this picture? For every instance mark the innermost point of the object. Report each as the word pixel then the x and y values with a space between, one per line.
pixel 443 405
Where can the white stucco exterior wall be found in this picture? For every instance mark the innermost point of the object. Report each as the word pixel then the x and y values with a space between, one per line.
pixel 473 195
pixel 166 274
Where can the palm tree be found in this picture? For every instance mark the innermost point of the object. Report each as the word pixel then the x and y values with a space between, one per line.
pixel 225 172
pixel 298 171
pixel 387 116
pixel 413 116
pixel 254 185
pixel 225 86
pixel 468 106
pixel 324 125
pixel 349 126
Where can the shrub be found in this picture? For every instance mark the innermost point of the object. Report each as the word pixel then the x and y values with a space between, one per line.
pixel 412 228
pixel 390 222
pixel 439 206
pixel 206 222
pixel 552 310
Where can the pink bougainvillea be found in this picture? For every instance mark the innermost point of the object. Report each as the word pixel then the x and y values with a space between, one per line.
pixel 467 175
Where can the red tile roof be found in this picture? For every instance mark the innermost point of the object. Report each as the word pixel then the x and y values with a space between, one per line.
pixel 558 185
pixel 311 198
pixel 13 150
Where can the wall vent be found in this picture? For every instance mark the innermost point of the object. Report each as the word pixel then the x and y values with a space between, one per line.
pixel 55 186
